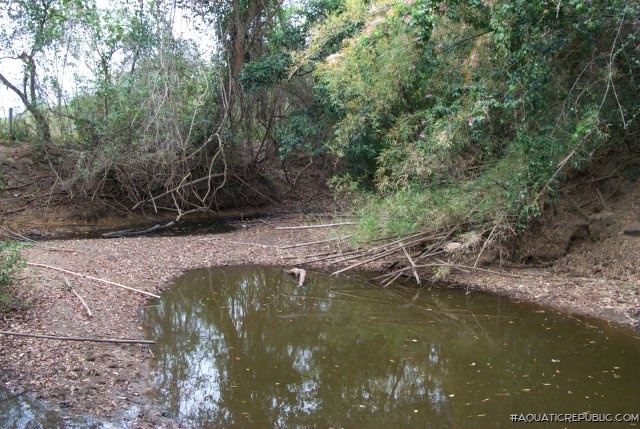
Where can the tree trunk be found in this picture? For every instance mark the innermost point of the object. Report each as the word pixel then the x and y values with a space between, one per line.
pixel 29 98
pixel 41 123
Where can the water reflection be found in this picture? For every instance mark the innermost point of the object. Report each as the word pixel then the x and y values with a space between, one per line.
pixel 18 411
pixel 245 347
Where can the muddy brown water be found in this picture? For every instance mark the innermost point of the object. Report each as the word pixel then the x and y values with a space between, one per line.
pixel 245 347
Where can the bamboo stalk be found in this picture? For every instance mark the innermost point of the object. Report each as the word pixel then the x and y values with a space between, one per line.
pixel 366 261
pixel 331 255
pixel 387 283
pixel 94 340
pixel 94 278
pixel 419 238
pixel 485 244
pixel 378 256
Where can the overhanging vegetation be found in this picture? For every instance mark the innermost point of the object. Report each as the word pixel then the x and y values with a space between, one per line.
pixel 451 115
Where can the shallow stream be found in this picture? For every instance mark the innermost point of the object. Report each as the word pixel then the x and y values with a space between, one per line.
pixel 245 347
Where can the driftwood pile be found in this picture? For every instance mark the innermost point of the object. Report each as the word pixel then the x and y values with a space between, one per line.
pixel 415 255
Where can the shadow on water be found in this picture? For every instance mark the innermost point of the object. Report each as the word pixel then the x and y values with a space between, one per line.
pixel 245 347
pixel 188 227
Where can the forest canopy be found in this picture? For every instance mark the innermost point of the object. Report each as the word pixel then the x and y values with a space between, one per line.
pixel 441 113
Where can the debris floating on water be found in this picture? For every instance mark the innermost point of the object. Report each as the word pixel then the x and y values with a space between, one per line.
pixel 300 274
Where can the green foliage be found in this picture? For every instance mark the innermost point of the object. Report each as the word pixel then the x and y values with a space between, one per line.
pixel 476 110
pixel 264 72
pixel 300 132
pixel 10 261
pixel 22 131
pixel 444 110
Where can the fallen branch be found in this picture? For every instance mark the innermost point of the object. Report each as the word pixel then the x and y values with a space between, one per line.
pixel 240 242
pixel 132 233
pixel 385 250
pixel 485 244
pixel 177 188
pixel 311 243
pixel 94 278
pixel 413 265
pixel 459 267
pixel 587 182
pixel 326 225
pixel 255 190
pixel 82 301
pixel 376 257
pixel 331 255
pixel 94 340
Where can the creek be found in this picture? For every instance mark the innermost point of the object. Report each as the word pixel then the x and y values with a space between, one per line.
pixel 244 346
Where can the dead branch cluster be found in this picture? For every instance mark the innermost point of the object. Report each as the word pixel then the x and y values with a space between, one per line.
pixel 427 254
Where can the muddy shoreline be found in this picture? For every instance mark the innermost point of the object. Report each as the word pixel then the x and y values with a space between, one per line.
pixel 108 381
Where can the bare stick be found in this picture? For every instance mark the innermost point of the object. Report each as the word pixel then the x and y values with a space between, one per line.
pixel 240 242
pixel 419 238
pixel 332 255
pixel 326 225
pixel 413 264
pixel 255 190
pixel 366 261
pixel 15 235
pixel 376 257
pixel 485 244
pixel 459 267
pixel 94 278
pixel 311 243
pixel 392 279
pixel 587 182
pixel 84 304
pixel 94 340
pixel 177 188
